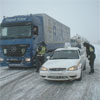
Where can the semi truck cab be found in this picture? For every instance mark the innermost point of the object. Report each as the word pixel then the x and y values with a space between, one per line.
pixel 18 41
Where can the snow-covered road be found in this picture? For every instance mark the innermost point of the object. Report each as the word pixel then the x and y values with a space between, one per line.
pixel 26 84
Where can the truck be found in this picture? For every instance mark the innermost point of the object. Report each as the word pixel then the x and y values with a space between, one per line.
pixel 21 35
pixel 77 41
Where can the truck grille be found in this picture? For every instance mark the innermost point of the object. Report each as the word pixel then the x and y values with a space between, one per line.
pixel 14 50
pixel 14 61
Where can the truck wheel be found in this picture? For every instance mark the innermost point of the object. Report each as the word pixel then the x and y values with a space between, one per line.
pixel 10 67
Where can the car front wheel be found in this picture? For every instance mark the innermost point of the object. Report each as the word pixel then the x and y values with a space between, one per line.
pixel 79 79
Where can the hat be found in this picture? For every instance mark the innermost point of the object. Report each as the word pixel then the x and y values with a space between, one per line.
pixel 85 44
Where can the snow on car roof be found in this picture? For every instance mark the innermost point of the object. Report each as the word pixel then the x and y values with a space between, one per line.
pixel 69 48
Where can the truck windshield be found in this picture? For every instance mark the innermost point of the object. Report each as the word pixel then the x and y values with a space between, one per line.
pixel 15 32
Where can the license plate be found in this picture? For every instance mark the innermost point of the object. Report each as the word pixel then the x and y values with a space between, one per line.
pixel 58 77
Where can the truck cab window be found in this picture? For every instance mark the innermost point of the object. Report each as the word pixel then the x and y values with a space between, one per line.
pixel 35 30
pixel 4 31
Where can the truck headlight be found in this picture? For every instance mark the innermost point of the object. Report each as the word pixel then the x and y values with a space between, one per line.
pixel 1 59
pixel 27 59
pixel 44 69
pixel 73 68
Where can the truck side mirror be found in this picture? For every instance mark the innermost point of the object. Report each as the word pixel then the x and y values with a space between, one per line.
pixel 35 30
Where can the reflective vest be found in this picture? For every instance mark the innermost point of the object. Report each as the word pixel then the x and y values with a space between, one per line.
pixel 43 50
pixel 91 49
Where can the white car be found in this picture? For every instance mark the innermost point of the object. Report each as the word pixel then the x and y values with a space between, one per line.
pixel 65 64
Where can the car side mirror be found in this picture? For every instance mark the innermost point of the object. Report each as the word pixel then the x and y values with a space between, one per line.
pixel 48 57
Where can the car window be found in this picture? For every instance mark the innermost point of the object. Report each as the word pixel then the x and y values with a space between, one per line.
pixel 65 54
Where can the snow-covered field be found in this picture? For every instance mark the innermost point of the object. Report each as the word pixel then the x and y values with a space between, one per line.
pixel 26 84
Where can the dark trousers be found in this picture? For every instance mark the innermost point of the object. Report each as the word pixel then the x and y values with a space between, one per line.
pixel 40 61
pixel 91 63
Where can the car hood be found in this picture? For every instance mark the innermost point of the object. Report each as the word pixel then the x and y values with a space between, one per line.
pixel 61 63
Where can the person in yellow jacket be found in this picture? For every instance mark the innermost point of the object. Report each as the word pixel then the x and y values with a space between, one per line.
pixel 41 50
pixel 90 50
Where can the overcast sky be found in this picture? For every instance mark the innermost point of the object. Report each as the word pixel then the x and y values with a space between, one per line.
pixel 82 16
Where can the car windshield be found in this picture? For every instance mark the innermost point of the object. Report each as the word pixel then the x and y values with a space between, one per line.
pixel 15 32
pixel 65 54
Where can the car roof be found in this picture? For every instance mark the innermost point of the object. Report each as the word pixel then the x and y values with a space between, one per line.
pixel 69 48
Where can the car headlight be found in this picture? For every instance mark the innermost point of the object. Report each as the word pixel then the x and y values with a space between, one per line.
pixel 76 67
pixel 73 68
pixel 44 69
pixel 27 59
pixel 1 59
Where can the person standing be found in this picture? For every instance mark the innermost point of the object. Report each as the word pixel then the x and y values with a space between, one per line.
pixel 90 50
pixel 41 50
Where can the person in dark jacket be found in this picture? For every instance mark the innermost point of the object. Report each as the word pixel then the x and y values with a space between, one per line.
pixel 41 50
pixel 90 50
